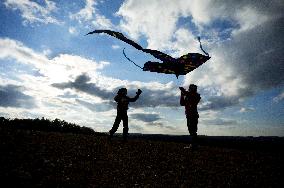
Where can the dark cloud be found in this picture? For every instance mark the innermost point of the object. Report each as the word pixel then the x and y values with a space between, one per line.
pixel 81 83
pixel 155 98
pixel 98 107
pixel 273 8
pixel 150 120
pixel 219 103
pixel 146 117
pixel 257 56
pixel 12 96
pixel 68 95
pixel 149 97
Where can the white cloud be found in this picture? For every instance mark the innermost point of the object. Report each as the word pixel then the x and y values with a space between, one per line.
pixel 115 46
pixel 33 12
pixel 158 20
pixel 60 68
pixel 102 22
pixel 248 18
pixel 86 13
pixel 90 15
pixel 13 49
pixel 279 97
pixel 184 41
pixel 46 52
pixel 154 19
pixel 247 109
pixel 72 30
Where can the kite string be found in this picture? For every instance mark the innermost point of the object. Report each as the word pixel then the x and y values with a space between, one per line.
pixel 201 46
pixel 130 59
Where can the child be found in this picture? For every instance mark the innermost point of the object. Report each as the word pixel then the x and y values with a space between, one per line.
pixel 189 99
pixel 122 106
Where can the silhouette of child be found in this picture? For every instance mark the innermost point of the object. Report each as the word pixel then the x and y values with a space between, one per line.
pixel 189 99
pixel 122 106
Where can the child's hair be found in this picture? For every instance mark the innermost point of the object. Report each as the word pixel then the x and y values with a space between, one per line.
pixel 122 90
pixel 192 87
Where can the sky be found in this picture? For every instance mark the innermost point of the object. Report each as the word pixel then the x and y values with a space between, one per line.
pixel 49 68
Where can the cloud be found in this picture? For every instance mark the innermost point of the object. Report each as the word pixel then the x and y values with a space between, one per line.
pixel 73 31
pixel 163 95
pixel 219 121
pixel 102 22
pixel 115 47
pixel 90 14
pixel 86 13
pixel 33 12
pixel 96 107
pixel 52 102
pixel 250 62
pixel 60 68
pixel 81 83
pixel 219 103
pixel 146 117
pixel 279 97
pixel 150 121
pixel 18 51
pixel 247 109
pixel 68 94
pixel 12 96
pixel 144 18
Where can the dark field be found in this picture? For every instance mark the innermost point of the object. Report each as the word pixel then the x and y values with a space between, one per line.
pixel 51 159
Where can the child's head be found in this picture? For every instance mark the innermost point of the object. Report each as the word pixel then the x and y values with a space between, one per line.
pixel 192 88
pixel 122 91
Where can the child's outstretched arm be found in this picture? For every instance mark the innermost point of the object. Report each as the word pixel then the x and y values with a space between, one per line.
pixel 136 97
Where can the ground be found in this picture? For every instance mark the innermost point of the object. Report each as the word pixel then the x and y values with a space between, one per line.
pixel 51 159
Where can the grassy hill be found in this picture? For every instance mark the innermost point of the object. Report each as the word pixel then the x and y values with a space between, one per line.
pixel 40 158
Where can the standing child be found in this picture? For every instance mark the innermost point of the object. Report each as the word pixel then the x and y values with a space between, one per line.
pixel 189 99
pixel 122 106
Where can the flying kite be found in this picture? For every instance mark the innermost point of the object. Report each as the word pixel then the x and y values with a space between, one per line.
pixel 178 66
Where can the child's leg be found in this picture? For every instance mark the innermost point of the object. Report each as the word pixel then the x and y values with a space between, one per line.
pixel 192 128
pixel 115 125
pixel 125 126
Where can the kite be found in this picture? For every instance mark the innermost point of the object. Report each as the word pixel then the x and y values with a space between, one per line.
pixel 178 66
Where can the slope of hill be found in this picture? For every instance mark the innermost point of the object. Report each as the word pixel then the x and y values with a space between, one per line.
pixel 31 158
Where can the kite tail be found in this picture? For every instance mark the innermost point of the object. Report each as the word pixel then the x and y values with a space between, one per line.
pixel 130 59
pixel 201 47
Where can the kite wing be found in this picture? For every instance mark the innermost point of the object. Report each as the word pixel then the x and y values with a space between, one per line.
pixel 183 65
pixel 160 55
pixel 193 59
pixel 166 68
pixel 118 35
pixel 157 54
